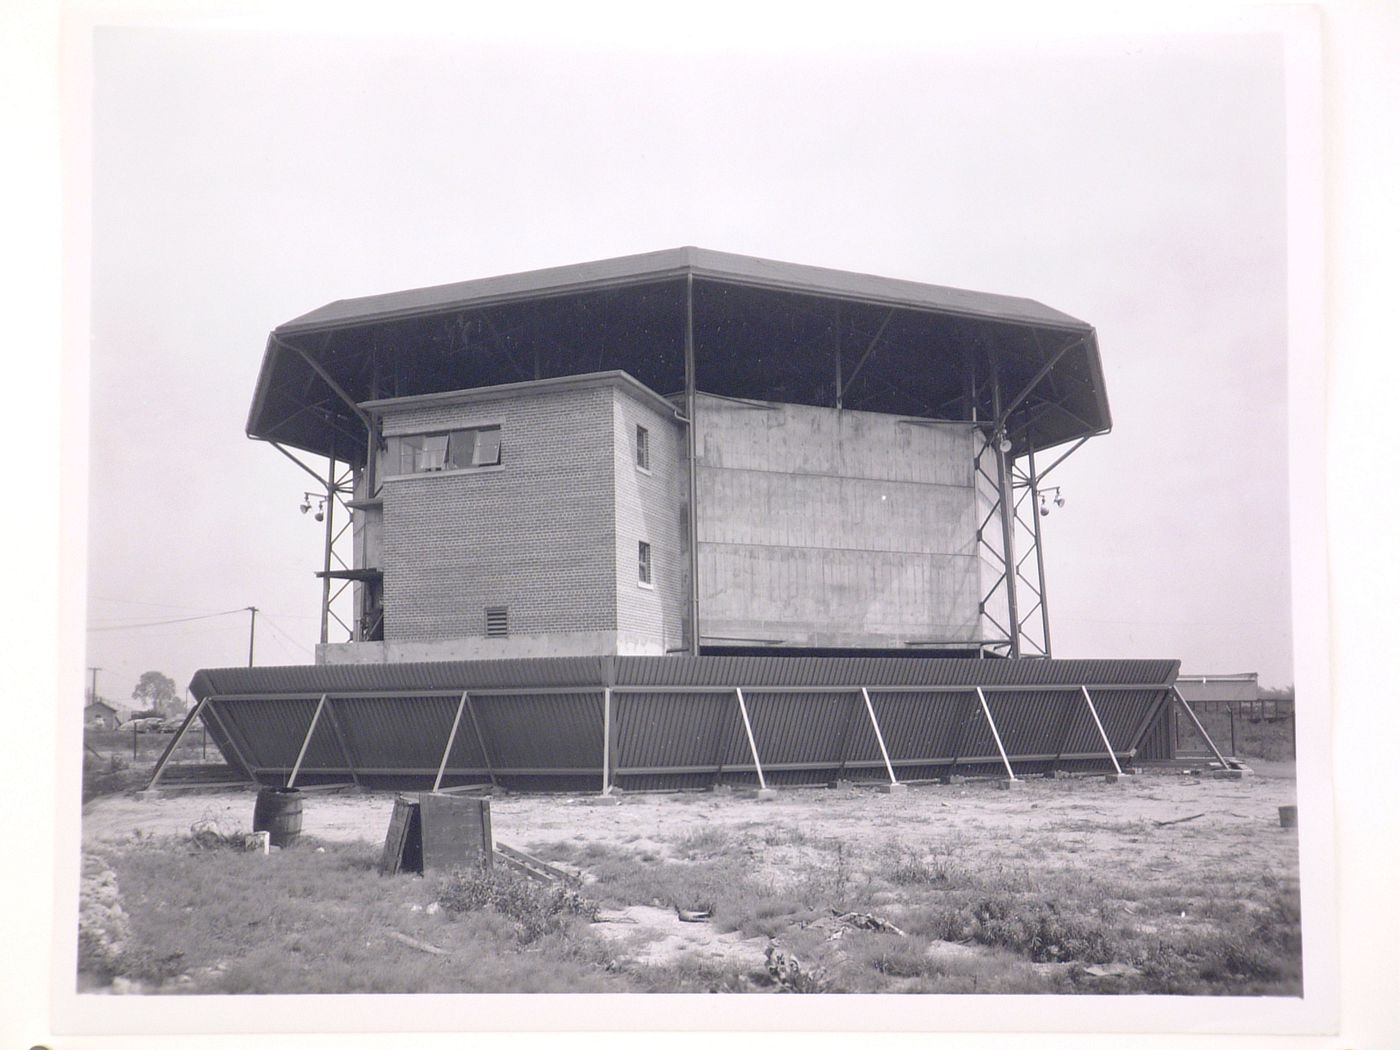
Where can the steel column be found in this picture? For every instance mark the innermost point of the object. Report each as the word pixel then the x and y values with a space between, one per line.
pixel 315 717
pixel 690 458
pixel 1107 746
pixel 987 711
pixel 1004 497
pixel 326 554
pixel 748 729
pixel 451 739
pixel 607 737
pixel 879 736
pixel 1039 550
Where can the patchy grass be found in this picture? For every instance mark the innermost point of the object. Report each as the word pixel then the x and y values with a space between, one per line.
pixel 1022 928
pixel 1089 895
pixel 305 922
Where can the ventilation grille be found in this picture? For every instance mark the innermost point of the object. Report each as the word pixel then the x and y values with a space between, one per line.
pixel 497 621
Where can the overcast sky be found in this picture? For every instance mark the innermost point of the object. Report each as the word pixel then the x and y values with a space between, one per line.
pixel 1137 183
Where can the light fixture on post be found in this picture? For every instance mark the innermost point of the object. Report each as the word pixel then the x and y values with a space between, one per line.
pixel 306 498
pixel 1044 494
pixel 1003 441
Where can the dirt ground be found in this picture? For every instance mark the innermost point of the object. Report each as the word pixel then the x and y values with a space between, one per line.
pixel 1112 824
pixel 1153 829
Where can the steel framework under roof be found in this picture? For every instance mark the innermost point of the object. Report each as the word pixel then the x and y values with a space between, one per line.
pixel 686 319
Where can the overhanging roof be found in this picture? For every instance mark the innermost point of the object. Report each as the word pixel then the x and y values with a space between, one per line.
pixel 763 329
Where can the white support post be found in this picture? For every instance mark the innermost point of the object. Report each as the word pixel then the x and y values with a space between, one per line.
pixel 291 780
pixel 607 735
pixel 451 739
pixel 987 711
pixel 1107 746
pixel 879 736
pixel 748 729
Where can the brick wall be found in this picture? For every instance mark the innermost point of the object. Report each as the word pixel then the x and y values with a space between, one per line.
pixel 535 535
pixel 651 507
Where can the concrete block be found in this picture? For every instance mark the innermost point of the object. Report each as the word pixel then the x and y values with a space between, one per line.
pixel 1111 778
pixel 892 789
pixel 841 785
pixel 1011 785
pixel 1231 774
pixel 765 795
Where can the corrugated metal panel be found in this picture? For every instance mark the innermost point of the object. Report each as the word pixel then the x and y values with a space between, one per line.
pixel 677 729
pixel 758 671
pixel 457 675
pixel 549 739
pixel 551 732
pixel 407 733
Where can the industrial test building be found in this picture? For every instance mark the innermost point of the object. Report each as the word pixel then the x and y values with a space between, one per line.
pixel 681 519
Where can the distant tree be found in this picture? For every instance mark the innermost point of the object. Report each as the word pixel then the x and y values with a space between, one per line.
pixel 1276 693
pixel 157 692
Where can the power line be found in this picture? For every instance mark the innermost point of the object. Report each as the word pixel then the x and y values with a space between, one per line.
pixel 162 623
pixel 292 641
pixel 191 608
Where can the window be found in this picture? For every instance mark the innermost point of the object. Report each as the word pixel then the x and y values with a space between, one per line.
pixel 453 450
pixel 497 621
pixel 644 563
pixel 643 449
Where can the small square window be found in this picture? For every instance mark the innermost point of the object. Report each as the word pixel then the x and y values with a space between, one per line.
pixel 643 449
pixel 644 563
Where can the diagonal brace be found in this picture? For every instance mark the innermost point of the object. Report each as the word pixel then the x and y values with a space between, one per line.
pixel 879 736
pixel 1107 746
pixel 748 730
pixel 451 739
pixel 987 711
pixel 306 742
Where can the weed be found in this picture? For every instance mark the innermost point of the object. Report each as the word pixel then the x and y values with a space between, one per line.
pixel 535 909
pixel 702 842
pixel 908 867
pixel 1040 931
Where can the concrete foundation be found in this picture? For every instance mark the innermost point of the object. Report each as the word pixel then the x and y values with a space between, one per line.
pixel 1011 785
pixel 892 789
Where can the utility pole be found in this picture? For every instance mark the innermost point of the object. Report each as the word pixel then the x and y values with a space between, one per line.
pixel 92 697
pixel 252 624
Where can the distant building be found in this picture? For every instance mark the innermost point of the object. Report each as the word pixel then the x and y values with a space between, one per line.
pixel 1242 688
pixel 100 715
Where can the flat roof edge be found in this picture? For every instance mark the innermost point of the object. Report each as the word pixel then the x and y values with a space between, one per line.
pixel 613 378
